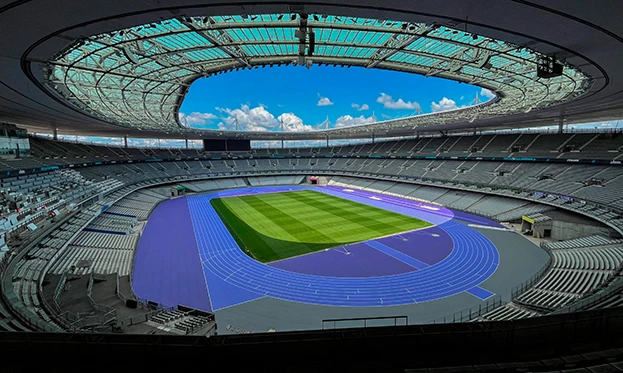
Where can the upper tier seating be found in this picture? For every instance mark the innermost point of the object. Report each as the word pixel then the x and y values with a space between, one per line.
pixel 564 146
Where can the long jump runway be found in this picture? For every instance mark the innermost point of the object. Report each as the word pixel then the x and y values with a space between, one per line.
pixel 187 256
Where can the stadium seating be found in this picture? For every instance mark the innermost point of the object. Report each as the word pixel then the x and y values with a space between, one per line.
pixel 496 207
pixel 509 311
pixel 186 322
pixel 98 243
pixel 589 241
pixel 579 267
pixel 573 183
pixel 570 145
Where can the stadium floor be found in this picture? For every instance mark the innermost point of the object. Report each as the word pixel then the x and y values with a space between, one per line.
pixel 187 256
pixel 277 226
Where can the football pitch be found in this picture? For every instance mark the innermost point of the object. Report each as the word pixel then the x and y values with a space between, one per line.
pixel 276 226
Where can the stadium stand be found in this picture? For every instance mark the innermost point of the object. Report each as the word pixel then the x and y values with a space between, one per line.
pixel 524 177
pixel 100 244
pixel 509 311
pixel 574 274
pixel 181 321
pixel 590 241
pixel 72 214
pixel 496 207
pixel 585 146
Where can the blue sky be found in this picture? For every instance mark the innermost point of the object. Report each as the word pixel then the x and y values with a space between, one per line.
pixel 301 98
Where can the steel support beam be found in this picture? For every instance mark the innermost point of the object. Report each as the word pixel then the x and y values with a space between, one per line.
pixel 222 40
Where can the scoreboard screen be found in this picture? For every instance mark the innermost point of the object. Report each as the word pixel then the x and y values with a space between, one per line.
pixel 211 145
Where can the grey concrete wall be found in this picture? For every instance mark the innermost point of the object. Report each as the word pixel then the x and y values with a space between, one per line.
pixel 538 229
pixel 562 230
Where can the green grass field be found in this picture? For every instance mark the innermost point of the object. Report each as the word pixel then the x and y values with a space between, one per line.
pixel 276 226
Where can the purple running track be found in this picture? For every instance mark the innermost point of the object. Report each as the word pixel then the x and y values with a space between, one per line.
pixel 167 268
pixel 430 245
pixel 363 261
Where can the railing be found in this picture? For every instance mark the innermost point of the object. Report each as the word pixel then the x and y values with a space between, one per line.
pixel 138 319
pixel 99 307
pixel 58 291
pixel 367 322
pixel 470 314
pixel 528 284
pixel 90 321
pixel 132 262
pixel 613 288
pixel 320 143
pixel 209 322
pixel 210 331
pixel 121 145
pixel 152 306
pixel 120 295
pixel 4 261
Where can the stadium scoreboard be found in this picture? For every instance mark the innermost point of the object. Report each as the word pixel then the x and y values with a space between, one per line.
pixel 211 145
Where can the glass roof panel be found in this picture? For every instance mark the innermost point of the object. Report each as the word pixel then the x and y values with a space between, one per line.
pixel 153 63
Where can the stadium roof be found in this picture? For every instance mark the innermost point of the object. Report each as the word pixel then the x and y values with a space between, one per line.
pixel 125 68
pixel 138 77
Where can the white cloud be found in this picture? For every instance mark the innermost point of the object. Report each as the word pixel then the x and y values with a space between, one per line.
pixel 261 120
pixel 324 101
pixel 93 139
pixel 156 143
pixel 363 107
pixel 289 144
pixel 196 118
pixel 292 123
pixel 347 121
pixel 249 119
pixel 487 93
pixel 385 116
pixel 389 103
pixel 443 105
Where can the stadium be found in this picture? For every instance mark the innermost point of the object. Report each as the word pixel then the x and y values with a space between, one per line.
pixel 138 234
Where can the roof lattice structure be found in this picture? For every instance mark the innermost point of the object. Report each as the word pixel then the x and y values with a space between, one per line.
pixel 137 77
